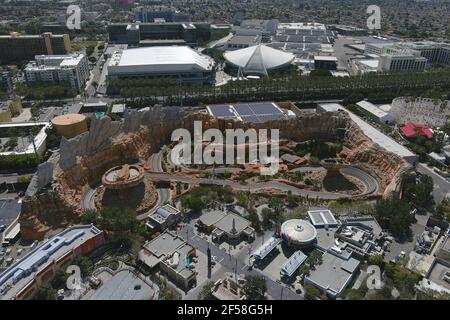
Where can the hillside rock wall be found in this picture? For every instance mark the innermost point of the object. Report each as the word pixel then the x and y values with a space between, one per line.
pixel 83 160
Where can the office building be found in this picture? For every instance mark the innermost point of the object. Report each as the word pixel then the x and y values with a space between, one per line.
pixel 407 62
pixel 17 47
pixel 160 13
pixel 255 27
pixel 133 34
pixel 72 69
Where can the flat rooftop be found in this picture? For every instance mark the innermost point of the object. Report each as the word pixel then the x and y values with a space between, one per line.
pixel 19 274
pixel 380 138
pixel 210 217
pixel 371 108
pixel 163 248
pixel 242 39
pixel 254 112
pixel 121 286
pixel 334 274
pixel 437 274
pixel 322 217
pixel 160 55
pixel 226 223
pixel 164 245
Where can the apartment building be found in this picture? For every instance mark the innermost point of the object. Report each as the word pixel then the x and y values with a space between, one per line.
pixel 72 69
pixel 17 47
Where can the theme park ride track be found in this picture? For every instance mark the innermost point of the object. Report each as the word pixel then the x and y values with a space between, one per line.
pixel 370 186
pixel 370 183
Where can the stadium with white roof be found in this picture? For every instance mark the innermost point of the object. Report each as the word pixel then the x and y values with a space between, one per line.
pixel 258 60
pixel 180 62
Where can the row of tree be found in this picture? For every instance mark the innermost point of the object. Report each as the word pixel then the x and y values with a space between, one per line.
pixel 292 87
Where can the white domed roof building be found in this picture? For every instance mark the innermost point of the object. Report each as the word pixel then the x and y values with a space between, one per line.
pixel 258 59
pixel 298 232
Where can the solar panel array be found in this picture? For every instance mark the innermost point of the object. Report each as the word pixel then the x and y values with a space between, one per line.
pixel 255 112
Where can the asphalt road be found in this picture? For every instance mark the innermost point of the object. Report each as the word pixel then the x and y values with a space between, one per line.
pixel 441 185
pixel 228 264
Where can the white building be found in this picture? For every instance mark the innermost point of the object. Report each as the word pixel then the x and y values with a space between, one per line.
pixel 241 42
pixel 179 62
pixel 72 69
pixel 407 62
pixel 376 48
pixel 374 112
pixel 258 59
pixel 409 56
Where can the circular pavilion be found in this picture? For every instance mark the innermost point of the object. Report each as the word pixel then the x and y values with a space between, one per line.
pixel 298 232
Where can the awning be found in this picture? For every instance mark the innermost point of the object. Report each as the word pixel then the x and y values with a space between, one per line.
pixel 13 233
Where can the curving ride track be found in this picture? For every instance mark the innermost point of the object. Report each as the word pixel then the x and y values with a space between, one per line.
pixel 369 182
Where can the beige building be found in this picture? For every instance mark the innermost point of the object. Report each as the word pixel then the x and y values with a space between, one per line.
pixel 10 109
pixel 70 125
pixel 173 257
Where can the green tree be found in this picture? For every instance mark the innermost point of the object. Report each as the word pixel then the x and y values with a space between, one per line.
pixel 353 294
pixel 420 193
pixel 120 224
pixel 206 292
pixel 255 287
pixel 45 292
pixel 376 260
pixel 59 279
pixel 86 265
pixel 395 215
pixel 311 292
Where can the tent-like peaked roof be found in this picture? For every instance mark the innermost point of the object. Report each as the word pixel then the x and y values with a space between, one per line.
pixel 258 59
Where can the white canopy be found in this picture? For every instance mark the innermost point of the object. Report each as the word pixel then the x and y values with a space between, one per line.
pixel 258 59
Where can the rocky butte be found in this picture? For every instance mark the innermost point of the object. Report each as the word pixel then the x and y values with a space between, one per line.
pixel 54 197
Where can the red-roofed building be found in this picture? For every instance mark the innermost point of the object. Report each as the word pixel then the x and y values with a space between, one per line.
pixel 412 130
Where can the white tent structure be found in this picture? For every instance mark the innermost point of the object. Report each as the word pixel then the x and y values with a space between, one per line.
pixel 258 59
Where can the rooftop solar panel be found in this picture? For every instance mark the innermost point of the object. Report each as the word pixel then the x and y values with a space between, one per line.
pixel 329 217
pixel 322 217
pixel 264 108
pixel 270 117
pixel 251 118
pixel 243 109
pixel 221 111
